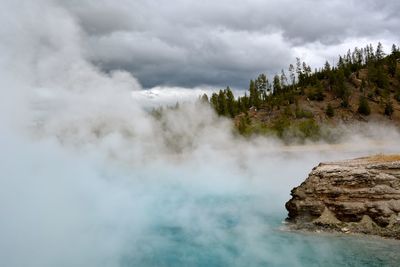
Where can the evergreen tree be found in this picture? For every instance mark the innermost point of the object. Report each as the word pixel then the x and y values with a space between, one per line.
pixel 214 102
pixel 348 59
pixel 392 66
pixel 327 67
pixel 261 83
pixel 330 112
pixel 245 102
pixel 204 99
pixel 284 80
pixel 254 95
pixel 368 54
pixel 381 78
pixel 358 58
pixel 379 52
pixel 306 70
pixel 363 106
pixel 392 61
pixel 319 92
pixel 298 66
pixel 299 71
pixel 269 87
pixel 292 75
pixel 222 104
pixel 371 53
pixel 277 85
pixel 389 108
pixel 230 102
pixel 341 63
pixel 394 49
pixel 157 112
pixel 239 105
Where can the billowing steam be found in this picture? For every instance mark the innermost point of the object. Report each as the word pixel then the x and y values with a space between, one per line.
pixel 89 178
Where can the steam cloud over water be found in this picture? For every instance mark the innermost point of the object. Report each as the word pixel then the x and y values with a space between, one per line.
pixel 89 178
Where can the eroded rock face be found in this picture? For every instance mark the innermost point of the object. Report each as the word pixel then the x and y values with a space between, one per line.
pixel 360 195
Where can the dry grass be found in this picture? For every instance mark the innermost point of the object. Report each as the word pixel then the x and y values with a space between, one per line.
pixel 383 158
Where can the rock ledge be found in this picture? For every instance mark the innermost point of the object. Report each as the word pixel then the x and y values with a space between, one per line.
pixel 352 196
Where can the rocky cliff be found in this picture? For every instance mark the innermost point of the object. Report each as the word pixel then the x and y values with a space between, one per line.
pixel 359 196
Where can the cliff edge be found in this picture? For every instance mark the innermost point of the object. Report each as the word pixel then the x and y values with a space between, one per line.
pixel 352 196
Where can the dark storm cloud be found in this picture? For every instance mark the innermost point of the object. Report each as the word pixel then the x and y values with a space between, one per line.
pixel 190 43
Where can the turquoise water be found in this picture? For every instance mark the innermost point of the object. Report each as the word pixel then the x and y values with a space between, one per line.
pixel 237 231
pixel 192 214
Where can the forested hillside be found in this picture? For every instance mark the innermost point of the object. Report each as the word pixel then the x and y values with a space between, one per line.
pixel 363 86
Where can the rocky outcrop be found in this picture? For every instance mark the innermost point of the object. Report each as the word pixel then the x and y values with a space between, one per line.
pixel 359 196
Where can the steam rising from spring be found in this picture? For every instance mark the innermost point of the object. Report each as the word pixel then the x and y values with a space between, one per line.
pixel 89 178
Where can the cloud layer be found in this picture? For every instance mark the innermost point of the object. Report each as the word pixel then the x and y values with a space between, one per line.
pixel 219 43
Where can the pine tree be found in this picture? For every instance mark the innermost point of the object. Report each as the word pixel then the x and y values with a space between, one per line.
pixel 341 63
pixel 261 83
pixel 254 95
pixel 222 104
pixel 363 106
pixel 292 75
pixel 230 102
pixel 327 66
pixel 381 78
pixel 319 92
pixel 330 112
pixel 204 99
pixel 392 61
pixel 299 71
pixel 269 87
pixel 379 52
pixel 389 108
pixel 284 80
pixel 244 103
pixel 277 85
pixel 358 57
pixel 298 66
pixel 214 102
pixel 394 49
pixel 372 56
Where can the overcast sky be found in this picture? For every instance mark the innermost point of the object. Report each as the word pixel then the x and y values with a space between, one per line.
pixel 189 43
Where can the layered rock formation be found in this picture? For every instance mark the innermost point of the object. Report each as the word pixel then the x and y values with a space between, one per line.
pixel 359 196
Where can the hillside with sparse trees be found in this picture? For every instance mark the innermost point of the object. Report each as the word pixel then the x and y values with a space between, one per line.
pixel 363 86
